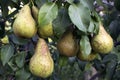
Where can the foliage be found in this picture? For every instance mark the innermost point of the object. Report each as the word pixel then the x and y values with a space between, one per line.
pixel 83 16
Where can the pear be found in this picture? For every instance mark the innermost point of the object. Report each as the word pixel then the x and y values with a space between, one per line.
pixel 46 30
pixel 35 12
pixel 102 42
pixel 41 64
pixel 67 45
pixel 24 25
pixel 89 57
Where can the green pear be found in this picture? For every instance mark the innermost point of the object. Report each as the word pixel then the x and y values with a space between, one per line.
pixel 102 42
pixel 67 45
pixel 41 64
pixel 24 25
pixel 46 30
pixel 35 12
pixel 89 57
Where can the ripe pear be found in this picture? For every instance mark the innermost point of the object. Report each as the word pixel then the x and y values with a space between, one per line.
pixel 35 12
pixel 41 64
pixel 24 25
pixel 102 42
pixel 89 57
pixel 46 30
pixel 67 45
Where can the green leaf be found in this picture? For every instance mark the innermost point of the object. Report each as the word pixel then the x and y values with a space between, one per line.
pixel 61 22
pixel 6 53
pixel 88 4
pixel 110 70
pixel 47 13
pixel 12 64
pixel 20 59
pixel 18 40
pixel 15 1
pixel 82 64
pixel 22 74
pixel 63 60
pixel 40 2
pixel 109 58
pixel 70 1
pixel 80 16
pixel 94 23
pixel 91 27
pixel 85 46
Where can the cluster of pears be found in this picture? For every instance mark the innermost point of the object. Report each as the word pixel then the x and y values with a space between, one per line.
pixel 100 43
pixel 26 25
pixel 41 63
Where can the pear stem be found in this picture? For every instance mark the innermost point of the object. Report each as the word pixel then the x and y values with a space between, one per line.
pixel 32 2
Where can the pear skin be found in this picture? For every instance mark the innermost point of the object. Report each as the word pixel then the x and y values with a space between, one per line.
pixel 41 64
pixel 89 57
pixel 67 45
pixel 102 42
pixel 24 25
pixel 35 12
pixel 46 30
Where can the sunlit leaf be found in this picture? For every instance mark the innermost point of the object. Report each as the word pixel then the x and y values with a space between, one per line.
pixel 88 4
pixel 47 13
pixel 85 46
pixel 80 16
pixel 70 1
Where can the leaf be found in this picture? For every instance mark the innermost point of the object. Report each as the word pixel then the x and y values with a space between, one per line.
pixel 22 74
pixel 109 58
pixel 82 64
pixel 40 2
pixel 12 64
pixel 61 22
pixel 96 20
pixel 15 1
pixel 77 13
pixel 88 4
pixel 18 40
pixel 63 60
pixel 6 53
pixel 47 13
pixel 85 46
pixel 93 27
pixel 70 1
pixel 20 59
pixel 114 29
pixel 110 70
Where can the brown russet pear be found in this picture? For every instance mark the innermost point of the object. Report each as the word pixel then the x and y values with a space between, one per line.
pixel 35 12
pixel 67 45
pixel 102 42
pixel 24 25
pixel 41 64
